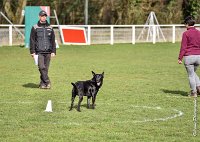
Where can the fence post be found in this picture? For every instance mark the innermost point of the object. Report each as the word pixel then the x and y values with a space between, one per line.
pixel 173 34
pixel 133 34
pixel 89 35
pixel 111 35
pixel 10 35
pixel 154 34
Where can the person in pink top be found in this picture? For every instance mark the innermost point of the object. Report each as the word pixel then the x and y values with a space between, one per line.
pixel 190 54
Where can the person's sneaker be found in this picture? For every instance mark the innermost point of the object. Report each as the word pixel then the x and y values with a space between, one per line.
pixel 198 90
pixel 48 86
pixel 42 87
pixel 193 94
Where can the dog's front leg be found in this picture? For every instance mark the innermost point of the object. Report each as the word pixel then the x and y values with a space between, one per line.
pixel 79 103
pixel 88 102
pixel 93 101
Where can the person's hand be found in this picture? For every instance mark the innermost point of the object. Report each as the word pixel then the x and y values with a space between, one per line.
pixel 32 55
pixel 53 54
pixel 179 61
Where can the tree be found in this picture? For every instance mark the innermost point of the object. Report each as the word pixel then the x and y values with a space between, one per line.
pixel 171 12
pixel 107 11
pixel 13 10
pixel 192 8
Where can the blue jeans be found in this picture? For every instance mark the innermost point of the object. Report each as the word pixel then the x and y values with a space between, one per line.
pixel 191 64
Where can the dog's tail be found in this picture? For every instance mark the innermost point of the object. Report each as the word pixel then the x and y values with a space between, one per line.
pixel 73 84
pixel 75 87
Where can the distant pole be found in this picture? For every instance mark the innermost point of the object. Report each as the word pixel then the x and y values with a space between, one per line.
pixel 86 12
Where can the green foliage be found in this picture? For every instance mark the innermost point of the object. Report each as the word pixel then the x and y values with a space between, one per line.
pixel 116 11
pixel 192 7
pixel 173 12
pixel 142 82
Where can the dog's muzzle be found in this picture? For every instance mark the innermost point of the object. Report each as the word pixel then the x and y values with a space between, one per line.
pixel 99 83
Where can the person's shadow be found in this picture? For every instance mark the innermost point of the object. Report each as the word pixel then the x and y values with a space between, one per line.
pixel 30 85
pixel 176 92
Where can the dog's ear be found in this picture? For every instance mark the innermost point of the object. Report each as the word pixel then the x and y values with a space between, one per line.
pixel 103 73
pixel 93 73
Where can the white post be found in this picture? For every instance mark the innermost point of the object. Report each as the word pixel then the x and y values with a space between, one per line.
pixel 89 35
pixel 154 34
pixel 10 35
pixel 111 35
pixel 173 34
pixel 86 12
pixel 133 34
pixel 56 18
pixel 149 33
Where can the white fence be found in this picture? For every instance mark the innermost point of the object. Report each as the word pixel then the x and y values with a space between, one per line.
pixel 105 34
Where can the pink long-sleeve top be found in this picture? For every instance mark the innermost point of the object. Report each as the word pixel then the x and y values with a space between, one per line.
pixel 190 44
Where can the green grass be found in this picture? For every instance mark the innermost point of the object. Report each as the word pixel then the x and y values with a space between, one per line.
pixel 143 84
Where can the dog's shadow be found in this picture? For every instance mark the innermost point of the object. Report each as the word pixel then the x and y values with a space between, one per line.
pixel 176 92
pixel 30 85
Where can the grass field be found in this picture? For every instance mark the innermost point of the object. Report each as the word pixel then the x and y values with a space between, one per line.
pixel 143 98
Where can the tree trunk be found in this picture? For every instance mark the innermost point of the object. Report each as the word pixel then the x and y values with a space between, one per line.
pixel 18 15
pixel 15 13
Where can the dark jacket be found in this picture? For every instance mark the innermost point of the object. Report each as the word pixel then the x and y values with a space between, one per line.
pixel 42 39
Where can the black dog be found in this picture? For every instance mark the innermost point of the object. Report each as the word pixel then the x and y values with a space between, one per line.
pixel 87 88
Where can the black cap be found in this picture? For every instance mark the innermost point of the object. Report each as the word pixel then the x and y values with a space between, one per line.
pixel 42 13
